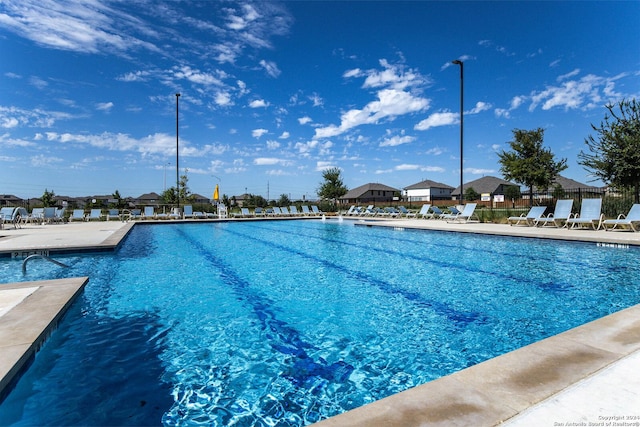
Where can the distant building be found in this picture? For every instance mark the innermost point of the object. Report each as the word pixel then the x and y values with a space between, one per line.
pixel 10 200
pixel 150 199
pixel 487 187
pixel 427 191
pixel 372 193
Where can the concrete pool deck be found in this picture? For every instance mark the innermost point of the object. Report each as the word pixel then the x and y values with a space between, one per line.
pixel 586 375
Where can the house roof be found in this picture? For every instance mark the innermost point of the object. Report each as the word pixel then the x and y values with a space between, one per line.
pixel 372 186
pixel 486 184
pixel 568 184
pixel 427 183
pixel 149 196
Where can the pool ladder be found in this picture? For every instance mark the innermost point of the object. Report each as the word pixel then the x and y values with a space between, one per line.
pixel 24 263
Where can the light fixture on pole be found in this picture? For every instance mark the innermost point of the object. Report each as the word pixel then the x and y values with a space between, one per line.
pixel 461 64
pixel 177 155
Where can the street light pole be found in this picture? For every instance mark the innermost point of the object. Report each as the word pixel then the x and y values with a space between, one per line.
pixel 461 64
pixel 177 154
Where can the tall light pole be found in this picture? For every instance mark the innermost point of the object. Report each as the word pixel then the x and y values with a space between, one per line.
pixel 177 154
pixel 461 64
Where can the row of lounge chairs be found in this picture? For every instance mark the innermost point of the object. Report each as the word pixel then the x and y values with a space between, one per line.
pixel 277 211
pixel 466 214
pixel 590 216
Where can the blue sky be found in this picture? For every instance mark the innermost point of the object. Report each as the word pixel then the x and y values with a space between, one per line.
pixel 274 93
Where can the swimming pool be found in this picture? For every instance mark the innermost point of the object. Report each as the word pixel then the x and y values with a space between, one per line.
pixel 287 323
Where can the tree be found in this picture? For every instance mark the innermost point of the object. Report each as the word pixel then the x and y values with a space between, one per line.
pixel 615 149
pixel 116 196
pixel 170 196
pixel 283 200
pixel 332 188
pixel 48 198
pixel 471 194
pixel 530 164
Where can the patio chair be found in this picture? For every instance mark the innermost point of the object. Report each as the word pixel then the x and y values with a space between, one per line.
pixel 113 214
pixel 6 215
pixel 436 213
pixel 406 212
pixel 149 213
pixel 424 211
pixel 590 215
pixel 284 211
pixel 94 214
pixel 259 212
pixel 466 215
pixel 305 210
pixel 316 211
pixel 188 212
pixel 294 210
pixel 77 215
pixel 559 216
pixel 36 215
pixel 527 219
pixel 630 221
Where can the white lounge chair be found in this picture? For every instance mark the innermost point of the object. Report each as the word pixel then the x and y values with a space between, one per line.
pixel 294 210
pixel 305 210
pixel 406 212
pixel 113 214
pixel 590 215
pixel 36 215
pixel 149 212
pixel 77 215
pixel 559 216
pixel 94 214
pixel 316 211
pixel 630 221
pixel 466 215
pixel 284 211
pixel 424 211
pixel 187 212
pixel 527 219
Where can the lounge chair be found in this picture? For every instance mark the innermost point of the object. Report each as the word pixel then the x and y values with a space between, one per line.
pixel 149 213
pixel 424 211
pixel 369 211
pixel 36 215
pixel 590 215
pixel 559 216
pixel 630 221
pixel 406 212
pixel 6 215
pixel 94 214
pixel 277 211
pixel 316 211
pixel 244 213
pixel 527 219
pixel 436 213
pixel 113 214
pixel 391 211
pixel 187 212
pixel 77 215
pixel 49 215
pixel 305 210
pixel 135 214
pixel 294 211
pixel 466 215
pixel 284 211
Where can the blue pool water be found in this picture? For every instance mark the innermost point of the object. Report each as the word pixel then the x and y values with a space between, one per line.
pixel 287 323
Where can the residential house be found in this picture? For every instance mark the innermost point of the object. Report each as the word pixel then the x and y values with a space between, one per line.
pixel 372 193
pixel 488 187
pixel 427 191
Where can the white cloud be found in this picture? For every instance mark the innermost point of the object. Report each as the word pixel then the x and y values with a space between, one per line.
pixel 270 161
pixel 397 140
pixel 316 100
pixel 257 133
pixel 445 118
pixel 271 68
pixel 390 103
pixel 41 160
pixel 476 171
pixel 323 165
pixel 104 106
pixel 570 74
pixel 432 169
pixel 258 103
pixel 272 145
pixel 285 135
pixel 304 120
pixel 223 99
pixel 480 107
pixel 407 167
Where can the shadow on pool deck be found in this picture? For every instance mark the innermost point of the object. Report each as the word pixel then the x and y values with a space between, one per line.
pixel 577 376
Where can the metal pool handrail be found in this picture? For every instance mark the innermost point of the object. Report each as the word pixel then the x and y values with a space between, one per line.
pixel 24 263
